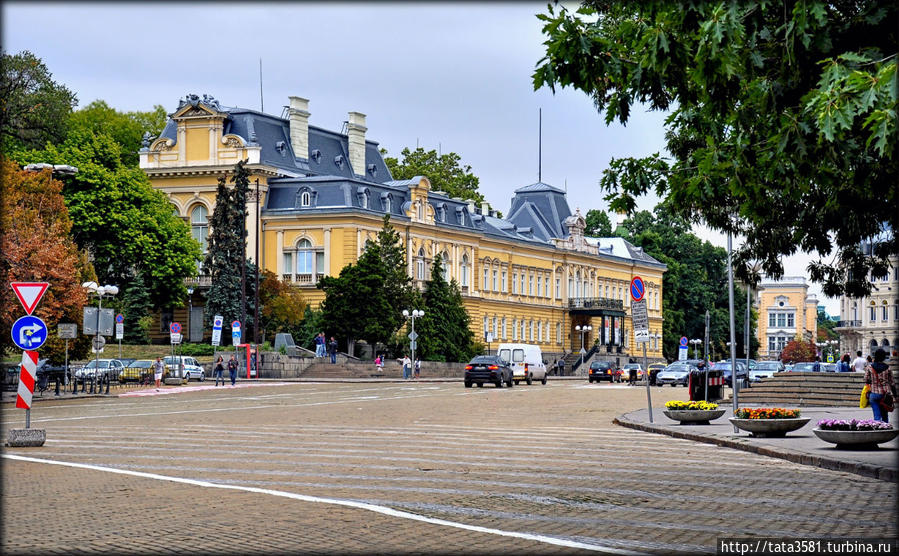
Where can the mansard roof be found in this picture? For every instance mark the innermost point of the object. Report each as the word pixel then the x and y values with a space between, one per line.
pixel 541 207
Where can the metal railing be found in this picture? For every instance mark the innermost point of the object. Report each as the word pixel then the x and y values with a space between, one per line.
pixel 848 324
pixel 587 356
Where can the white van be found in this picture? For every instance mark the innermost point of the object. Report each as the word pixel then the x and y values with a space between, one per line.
pixel 526 361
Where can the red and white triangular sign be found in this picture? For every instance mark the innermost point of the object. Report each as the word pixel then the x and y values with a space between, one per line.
pixel 29 293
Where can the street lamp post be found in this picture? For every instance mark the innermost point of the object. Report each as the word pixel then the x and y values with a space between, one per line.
pixel 696 343
pixel 413 336
pixel 99 291
pixel 583 330
pixel 190 309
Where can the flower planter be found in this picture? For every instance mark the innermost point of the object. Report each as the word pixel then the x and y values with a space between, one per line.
pixel 693 416
pixel 770 428
pixel 862 440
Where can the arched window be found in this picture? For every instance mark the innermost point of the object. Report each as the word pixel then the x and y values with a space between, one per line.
pixel 419 210
pixel 873 345
pixel 464 270
pixel 199 226
pixel 444 260
pixel 387 203
pixel 364 200
pixel 420 264
pixel 305 199
pixel 305 257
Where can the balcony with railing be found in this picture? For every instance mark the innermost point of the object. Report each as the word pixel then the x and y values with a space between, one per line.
pixel 598 305
pixel 300 279
pixel 848 324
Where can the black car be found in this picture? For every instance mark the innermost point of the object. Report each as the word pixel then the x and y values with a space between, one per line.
pixel 727 372
pixel 603 370
pixel 488 368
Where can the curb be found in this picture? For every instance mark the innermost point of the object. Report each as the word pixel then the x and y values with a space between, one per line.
pixel 803 458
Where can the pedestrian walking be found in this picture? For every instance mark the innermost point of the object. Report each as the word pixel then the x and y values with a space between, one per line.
pixel 816 368
pixel 560 366
pixel 843 365
pixel 320 344
pixel 880 379
pixel 158 369
pixel 219 370
pixel 332 349
pixel 858 365
pixel 407 367
pixel 379 365
pixel 417 367
pixel 232 369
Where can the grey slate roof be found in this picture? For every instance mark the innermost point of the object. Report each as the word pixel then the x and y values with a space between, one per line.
pixel 537 215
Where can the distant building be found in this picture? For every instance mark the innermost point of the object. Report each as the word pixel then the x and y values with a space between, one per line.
pixel 868 323
pixel 531 276
pixel 786 312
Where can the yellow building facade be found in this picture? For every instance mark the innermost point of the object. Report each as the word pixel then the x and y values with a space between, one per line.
pixel 317 196
pixel 787 312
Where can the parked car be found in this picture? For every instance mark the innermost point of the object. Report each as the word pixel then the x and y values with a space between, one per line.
pixel 727 372
pixel 829 367
pixel 674 374
pixel 603 370
pixel 100 368
pixel 139 370
pixel 654 369
pixel 192 367
pixel 488 368
pixel 127 361
pixel 765 369
pixel 804 367
pixel 626 371
pixel 526 361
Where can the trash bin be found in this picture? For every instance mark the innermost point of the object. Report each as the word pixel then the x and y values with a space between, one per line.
pixel 697 385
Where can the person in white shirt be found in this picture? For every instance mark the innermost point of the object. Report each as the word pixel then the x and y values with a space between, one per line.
pixel 859 364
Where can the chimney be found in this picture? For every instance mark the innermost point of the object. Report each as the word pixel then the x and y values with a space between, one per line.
pixel 299 126
pixel 485 208
pixel 356 139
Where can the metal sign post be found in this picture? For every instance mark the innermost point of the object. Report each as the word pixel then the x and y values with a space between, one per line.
pixel 28 333
pixel 119 330
pixel 67 331
pixel 640 318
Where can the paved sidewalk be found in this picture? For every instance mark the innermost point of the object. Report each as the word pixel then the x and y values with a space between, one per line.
pixel 801 446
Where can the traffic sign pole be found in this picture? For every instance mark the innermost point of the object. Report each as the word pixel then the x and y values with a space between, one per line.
pixel 640 321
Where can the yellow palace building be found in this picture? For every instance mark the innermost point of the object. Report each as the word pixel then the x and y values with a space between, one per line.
pixel 532 276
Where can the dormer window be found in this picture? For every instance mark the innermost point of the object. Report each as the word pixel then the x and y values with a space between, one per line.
pixel 316 155
pixel 363 194
pixel 387 202
pixel 372 170
pixel 305 199
pixel 338 161
pixel 441 212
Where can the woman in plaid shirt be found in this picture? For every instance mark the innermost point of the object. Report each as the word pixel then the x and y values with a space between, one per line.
pixel 879 377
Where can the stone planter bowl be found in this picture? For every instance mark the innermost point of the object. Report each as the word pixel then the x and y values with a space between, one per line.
pixel 770 428
pixel 860 440
pixel 693 416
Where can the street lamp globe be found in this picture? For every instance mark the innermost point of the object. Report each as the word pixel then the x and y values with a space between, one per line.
pixel 406 313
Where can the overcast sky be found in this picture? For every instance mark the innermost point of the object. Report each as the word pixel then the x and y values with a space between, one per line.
pixel 453 77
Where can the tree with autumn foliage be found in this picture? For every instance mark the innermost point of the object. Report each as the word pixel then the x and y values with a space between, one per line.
pixel 797 351
pixel 39 248
pixel 281 306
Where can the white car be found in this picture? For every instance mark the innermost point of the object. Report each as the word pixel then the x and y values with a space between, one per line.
pixel 95 367
pixel 192 367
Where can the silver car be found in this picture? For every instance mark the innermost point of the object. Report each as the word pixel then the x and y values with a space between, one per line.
pixel 192 368
pixel 674 374
pixel 99 368
pixel 765 369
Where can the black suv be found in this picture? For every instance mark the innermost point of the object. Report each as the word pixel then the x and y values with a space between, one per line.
pixel 603 370
pixel 488 368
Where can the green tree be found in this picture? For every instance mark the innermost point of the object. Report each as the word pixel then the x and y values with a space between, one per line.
pixel 125 128
pixel 444 333
pixel 126 225
pixel 34 109
pixel 444 171
pixel 598 224
pixel 782 119
pixel 397 283
pixel 135 306
pixel 695 282
pixel 224 263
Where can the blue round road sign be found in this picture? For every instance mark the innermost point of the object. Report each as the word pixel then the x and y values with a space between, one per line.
pixel 683 341
pixel 637 288
pixel 29 333
pixel 120 318
pixel 236 324
pixel 175 328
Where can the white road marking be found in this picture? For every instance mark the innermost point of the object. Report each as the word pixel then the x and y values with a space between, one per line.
pixel 337 502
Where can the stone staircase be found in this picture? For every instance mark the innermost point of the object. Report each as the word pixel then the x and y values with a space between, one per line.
pixel 805 389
